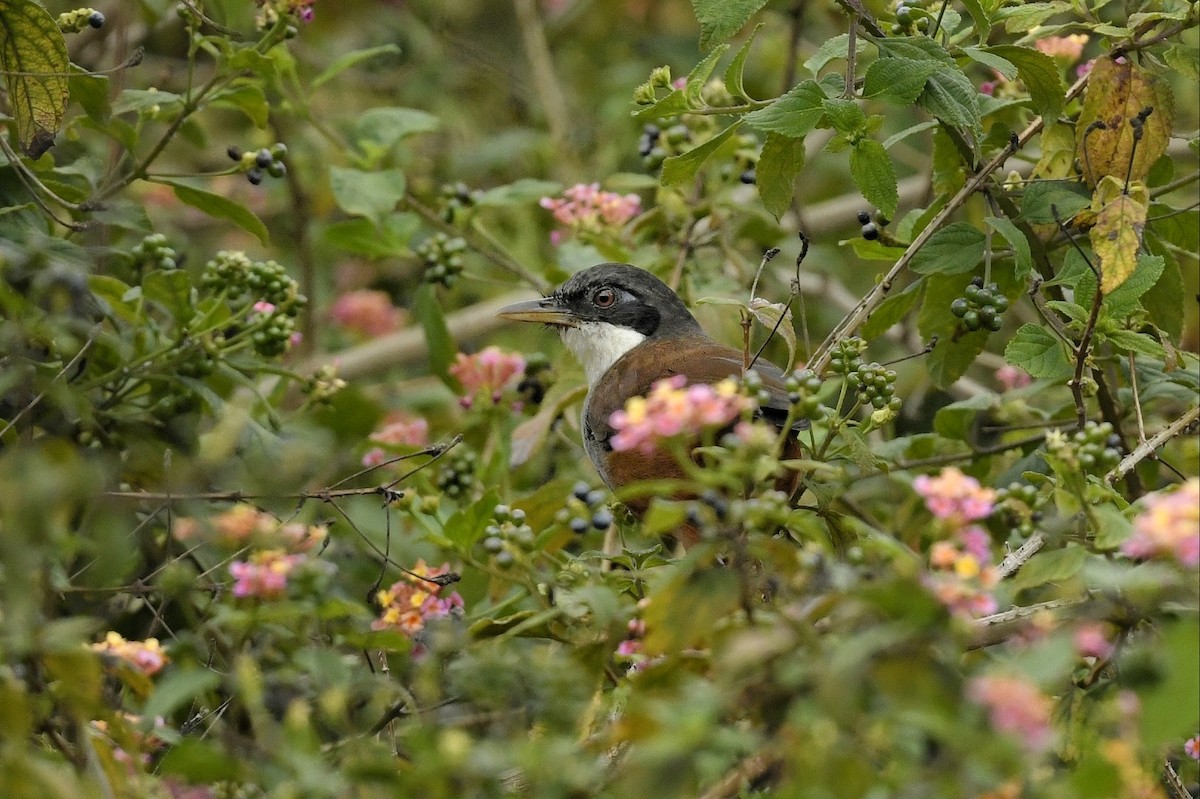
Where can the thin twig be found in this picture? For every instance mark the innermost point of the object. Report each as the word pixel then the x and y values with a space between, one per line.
pixel 1147 448
pixel 1016 560
pixel 1171 778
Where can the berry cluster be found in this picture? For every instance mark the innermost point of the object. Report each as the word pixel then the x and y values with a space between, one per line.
pixel 443 258
pixel 656 145
pixel 871 227
pixel 875 385
pixel 910 16
pixel 585 510
pixel 457 198
pixel 803 386
pixel 1095 449
pixel 744 161
pixel 265 288
pixel 507 532
pixel 537 379
pixel 457 475
pixel 847 357
pixel 981 306
pixel 255 162
pixel 80 18
pixel 1020 502
pixel 153 252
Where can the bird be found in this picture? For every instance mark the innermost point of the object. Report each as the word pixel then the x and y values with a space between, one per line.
pixel 629 330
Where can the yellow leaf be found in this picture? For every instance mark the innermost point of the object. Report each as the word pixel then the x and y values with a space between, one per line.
pixel 1117 235
pixel 33 56
pixel 1116 94
pixel 1058 152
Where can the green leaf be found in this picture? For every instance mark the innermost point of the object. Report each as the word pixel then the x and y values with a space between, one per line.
pixel 33 56
pixel 1124 299
pixel 1022 254
pixel 909 131
pixel 385 127
pixel 918 48
pixel 720 19
pixel 979 17
pixel 1002 65
pixel 835 48
pixel 91 92
pixel 891 311
pixel 899 81
pixel 794 114
pixel 173 290
pixel 955 249
pixel 872 171
pixel 139 100
pixel 696 79
pixel 1042 196
pixel 734 80
pixel 221 208
pixel 1131 341
pixel 683 167
pixel 1169 703
pixel 438 341
pixel 1024 17
pixel 520 192
pixel 1164 301
pixel 781 159
pixel 1039 352
pixel 199 761
pixel 778 317
pixel 178 688
pixel 957 420
pixel 344 62
pixel 363 237
pixel 951 97
pixel 1040 74
pixel 370 194
pixel 670 105
pixel 1054 566
pixel 246 96
pixel 1111 525
pixel 845 115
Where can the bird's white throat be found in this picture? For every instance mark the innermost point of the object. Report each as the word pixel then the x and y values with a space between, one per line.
pixel 598 345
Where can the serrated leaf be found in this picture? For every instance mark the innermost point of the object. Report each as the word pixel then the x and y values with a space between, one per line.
pixel 1118 92
pixel 957 420
pixel 734 73
pixel 699 76
pixel 994 62
pixel 1165 299
pixel 1024 17
pixel 769 316
pixel 955 249
pixel 834 48
pixel 951 97
pixel 795 114
pixel 354 57
pixel 33 56
pixel 918 48
pixel 1039 352
pixel 683 167
pixel 173 290
pixel 781 159
pixel 1043 196
pixel 1124 299
pixel 720 19
pixel 384 127
pixel 898 80
pixel 668 106
pixel 1054 566
pixel 370 194
pixel 440 345
pixel 891 311
pixel 1131 341
pixel 1040 74
pixel 1116 237
pixel 900 136
pixel 247 97
pixel 979 18
pixel 222 208
pixel 872 171
pixel 1022 254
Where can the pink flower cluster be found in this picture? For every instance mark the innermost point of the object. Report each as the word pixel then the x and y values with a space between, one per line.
pixel 1011 377
pixel 265 574
pixel 1169 527
pixel 367 312
pixel 488 372
pixel 1192 747
pixel 954 497
pixel 408 604
pixel 146 656
pixel 1092 640
pixel 399 430
pixel 673 408
pixel 1017 707
pixel 243 524
pixel 583 208
pixel 1066 48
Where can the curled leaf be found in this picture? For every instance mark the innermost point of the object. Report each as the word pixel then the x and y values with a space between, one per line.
pixel 1105 141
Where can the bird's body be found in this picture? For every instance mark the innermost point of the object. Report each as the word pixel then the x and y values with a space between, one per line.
pixel 629 330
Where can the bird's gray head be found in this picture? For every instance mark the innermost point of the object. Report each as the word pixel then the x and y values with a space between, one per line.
pixel 605 311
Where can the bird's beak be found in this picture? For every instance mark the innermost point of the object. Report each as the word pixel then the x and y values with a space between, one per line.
pixel 546 311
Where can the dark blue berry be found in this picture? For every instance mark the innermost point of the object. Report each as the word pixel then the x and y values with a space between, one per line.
pixel 234 152
pixel 96 20
pixel 263 159
pixel 255 176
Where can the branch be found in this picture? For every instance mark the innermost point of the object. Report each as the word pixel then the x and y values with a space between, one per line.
pixel 1015 560
pixel 999 627
pixel 1146 448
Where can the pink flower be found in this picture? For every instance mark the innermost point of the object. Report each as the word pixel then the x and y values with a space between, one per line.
pixel 585 209
pixel 1169 526
pixel 1010 377
pixel 264 575
pixel 670 409
pixel 489 372
pixel 146 656
pixel 955 497
pixel 1016 707
pixel 400 429
pixel 373 457
pixel 1091 640
pixel 1066 48
pixel 629 647
pixel 1192 747
pixel 960 575
pixel 408 604
pixel 988 87
pixel 366 312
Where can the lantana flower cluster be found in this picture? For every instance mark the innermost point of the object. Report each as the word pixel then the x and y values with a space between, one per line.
pixel 399 430
pixel 961 573
pixel 1169 527
pixel 1016 707
pixel 271 10
pixel 265 574
pixel 673 408
pixel 146 656
pixel 367 312
pixel 489 372
pixel 410 603
pixel 245 524
pixel 585 209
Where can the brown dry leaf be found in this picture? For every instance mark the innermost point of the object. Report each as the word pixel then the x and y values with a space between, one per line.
pixel 1118 92
pixel 1117 233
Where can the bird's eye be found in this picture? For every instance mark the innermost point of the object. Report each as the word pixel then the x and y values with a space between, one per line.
pixel 604 298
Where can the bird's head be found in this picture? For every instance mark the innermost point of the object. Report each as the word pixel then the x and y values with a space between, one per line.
pixel 605 311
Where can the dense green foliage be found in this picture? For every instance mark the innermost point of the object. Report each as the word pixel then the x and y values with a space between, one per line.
pixel 286 511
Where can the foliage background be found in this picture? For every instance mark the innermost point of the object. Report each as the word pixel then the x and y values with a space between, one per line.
pixel 144 405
